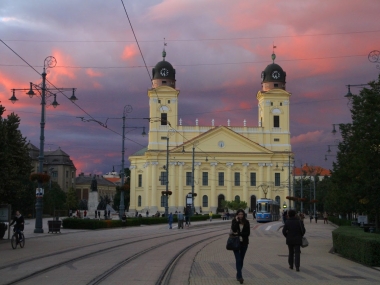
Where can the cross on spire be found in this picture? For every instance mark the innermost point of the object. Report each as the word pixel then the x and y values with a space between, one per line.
pixel 164 52
pixel 273 54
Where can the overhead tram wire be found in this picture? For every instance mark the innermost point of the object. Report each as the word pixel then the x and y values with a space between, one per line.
pixel 196 64
pixel 60 91
pixel 197 40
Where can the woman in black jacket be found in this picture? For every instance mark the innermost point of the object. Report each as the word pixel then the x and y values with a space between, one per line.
pixel 240 227
pixel 294 230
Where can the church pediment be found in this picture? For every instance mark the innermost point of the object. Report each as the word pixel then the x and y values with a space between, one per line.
pixel 223 139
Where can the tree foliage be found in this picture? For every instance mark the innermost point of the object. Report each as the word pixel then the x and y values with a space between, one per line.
pixel 234 205
pixel 54 198
pixel 72 200
pixel 15 164
pixel 356 172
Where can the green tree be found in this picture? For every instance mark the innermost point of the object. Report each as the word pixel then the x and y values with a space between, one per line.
pixel 234 205
pixel 54 198
pixel 356 172
pixel 15 165
pixel 72 200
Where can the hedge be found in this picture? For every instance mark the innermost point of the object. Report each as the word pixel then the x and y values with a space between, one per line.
pixel 92 224
pixel 354 243
pixel 339 222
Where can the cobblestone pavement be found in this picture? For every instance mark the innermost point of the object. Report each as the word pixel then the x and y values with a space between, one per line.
pixel 206 263
pixel 266 260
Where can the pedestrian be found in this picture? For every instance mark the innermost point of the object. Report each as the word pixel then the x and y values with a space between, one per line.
pixel 210 214
pixel 70 213
pixel 99 215
pixel 170 219
pixel 228 215
pixel 284 216
pixel 187 218
pixel 325 216
pixel 240 227
pixel 316 217
pixel 85 213
pixel 136 214
pixel 180 220
pixel 294 230
pixel 105 214
pixel 78 214
pixel 147 213
pixel 311 217
pixel 254 214
pixel 124 219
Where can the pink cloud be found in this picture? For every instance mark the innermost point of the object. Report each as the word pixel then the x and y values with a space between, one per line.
pixel 129 52
pixel 310 137
pixel 92 73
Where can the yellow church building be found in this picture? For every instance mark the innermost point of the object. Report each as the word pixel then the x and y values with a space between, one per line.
pixel 230 162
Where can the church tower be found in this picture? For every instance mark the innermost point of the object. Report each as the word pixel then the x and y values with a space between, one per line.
pixel 273 108
pixel 163 104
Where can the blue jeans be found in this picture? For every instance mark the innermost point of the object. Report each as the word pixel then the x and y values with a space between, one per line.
pixel 239 257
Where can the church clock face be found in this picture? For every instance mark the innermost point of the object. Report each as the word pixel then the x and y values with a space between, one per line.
pixel 221 144
pixel 164 72
pixel 276 74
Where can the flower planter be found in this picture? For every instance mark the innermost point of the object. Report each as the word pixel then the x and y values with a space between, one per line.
pixel 54 226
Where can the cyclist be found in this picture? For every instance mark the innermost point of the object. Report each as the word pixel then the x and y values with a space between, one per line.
pixel 19 227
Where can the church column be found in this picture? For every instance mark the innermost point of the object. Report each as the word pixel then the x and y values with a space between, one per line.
pixel 154 205
pixel 261 182
pixel 269 180
pixel 132 189
pixel 181 199
pixel 197 188
pixel 173 203
pixel 146 186
pixel 245 182
pixel 229 181
pixel 213 199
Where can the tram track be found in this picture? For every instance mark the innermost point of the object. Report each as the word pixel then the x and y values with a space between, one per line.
pixel 35 258
pixel 102 251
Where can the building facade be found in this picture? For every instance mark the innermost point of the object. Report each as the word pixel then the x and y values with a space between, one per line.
pixel 57 164
pixel 83 186
pixel 230 162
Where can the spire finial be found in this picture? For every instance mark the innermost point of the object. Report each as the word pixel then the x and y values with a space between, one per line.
pixel 164 52
pixel 273 54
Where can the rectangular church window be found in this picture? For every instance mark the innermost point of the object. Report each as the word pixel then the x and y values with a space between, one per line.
pixel 164 119
pixel 276 121
pixel 277 179
pixel 237 178
pixel 188 178
pixel 221 179
pixel 253 178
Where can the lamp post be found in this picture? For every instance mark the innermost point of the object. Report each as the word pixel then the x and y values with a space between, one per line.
pixel 127 109
pixel 49 62
pixel 326 155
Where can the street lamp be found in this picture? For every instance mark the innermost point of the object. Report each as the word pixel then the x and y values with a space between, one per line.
pixel 127 109
pixel 329 150
pixel 49 62
pixel 349 94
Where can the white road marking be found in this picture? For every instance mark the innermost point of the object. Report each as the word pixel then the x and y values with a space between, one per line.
pixel 268 228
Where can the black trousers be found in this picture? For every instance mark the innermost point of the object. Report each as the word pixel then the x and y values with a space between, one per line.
pixel 294 250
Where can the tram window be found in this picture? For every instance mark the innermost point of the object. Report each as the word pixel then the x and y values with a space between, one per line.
pixel 262 207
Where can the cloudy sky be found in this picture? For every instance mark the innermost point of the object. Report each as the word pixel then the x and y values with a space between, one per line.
pixel 218 47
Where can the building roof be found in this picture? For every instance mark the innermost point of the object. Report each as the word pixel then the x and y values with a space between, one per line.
pixel 86 179
pixel 311 170
pixel 141 152
pixel 56 157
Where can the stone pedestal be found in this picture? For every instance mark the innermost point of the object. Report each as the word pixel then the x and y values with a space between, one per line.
pixel 93 202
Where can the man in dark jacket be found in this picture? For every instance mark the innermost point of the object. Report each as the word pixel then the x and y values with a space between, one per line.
pixel 293 230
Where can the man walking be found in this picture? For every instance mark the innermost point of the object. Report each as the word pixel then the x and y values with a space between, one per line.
pixel 180 220
pixel 170 219
pixel 210 214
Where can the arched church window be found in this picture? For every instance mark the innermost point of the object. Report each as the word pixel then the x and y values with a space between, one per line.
pixel 204 201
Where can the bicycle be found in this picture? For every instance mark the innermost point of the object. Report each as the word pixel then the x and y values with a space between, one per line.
pixel 15 239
